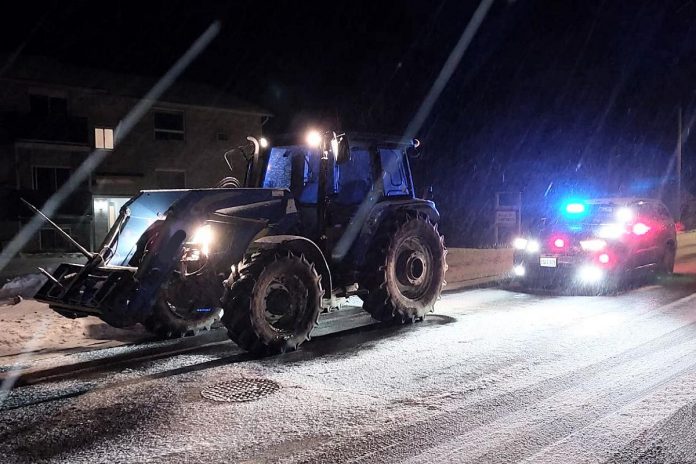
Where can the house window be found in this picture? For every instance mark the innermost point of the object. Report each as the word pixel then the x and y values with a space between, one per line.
pixel 103 138
pixel 169 125
pixel 49 179
pixel 44 105
pixel 50 240
pixel 170 179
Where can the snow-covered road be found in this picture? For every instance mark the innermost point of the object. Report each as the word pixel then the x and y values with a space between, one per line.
pixel 496 375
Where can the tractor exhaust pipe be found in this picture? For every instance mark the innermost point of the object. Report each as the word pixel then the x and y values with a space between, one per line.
pixel 65 235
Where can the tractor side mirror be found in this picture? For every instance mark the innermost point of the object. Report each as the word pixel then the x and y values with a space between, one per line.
pixel 413 151
pixel 342 149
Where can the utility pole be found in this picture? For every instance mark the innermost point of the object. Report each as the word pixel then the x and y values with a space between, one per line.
pixel 679 165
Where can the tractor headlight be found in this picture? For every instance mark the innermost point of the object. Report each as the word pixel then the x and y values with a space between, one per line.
pixel 203 237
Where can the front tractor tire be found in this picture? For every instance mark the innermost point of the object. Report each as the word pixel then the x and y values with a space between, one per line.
pixel 406 270
pixel 185 307
pixel 274 303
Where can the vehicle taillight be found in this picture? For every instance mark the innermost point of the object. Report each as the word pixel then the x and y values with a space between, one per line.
pixel 640 229
pixel 559 243
pixel 604 258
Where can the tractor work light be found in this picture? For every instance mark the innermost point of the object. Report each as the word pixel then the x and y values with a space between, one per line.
pixel 313 138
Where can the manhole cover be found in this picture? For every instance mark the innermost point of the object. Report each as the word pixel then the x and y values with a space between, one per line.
pixel 240 390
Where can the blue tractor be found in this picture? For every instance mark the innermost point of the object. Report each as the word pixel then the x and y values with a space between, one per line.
pixel 310 225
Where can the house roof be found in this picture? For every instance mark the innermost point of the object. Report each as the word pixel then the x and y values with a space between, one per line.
pixel 49 71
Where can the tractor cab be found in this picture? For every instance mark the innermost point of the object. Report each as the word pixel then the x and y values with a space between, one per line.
pixel 330 176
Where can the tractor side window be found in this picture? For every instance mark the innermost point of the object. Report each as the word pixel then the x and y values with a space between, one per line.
pixel 354 178
pixel 393 174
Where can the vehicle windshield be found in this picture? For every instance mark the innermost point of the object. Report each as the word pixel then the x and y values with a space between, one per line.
pixel 593 214
pixel 136 217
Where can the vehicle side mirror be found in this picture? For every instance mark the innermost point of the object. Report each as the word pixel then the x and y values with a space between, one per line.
pixel 343 153
pixel 413 151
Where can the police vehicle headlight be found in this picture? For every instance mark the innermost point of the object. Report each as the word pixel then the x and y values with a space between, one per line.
pixel 590 274
pixel 530 246
pixel 520 243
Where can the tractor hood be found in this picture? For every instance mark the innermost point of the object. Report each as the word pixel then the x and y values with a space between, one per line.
pixel 180 212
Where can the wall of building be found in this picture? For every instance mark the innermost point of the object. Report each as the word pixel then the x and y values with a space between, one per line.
pixel 138 162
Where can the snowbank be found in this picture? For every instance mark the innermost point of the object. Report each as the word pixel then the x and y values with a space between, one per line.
pixel 24 286
pixel 21 323
pixel 471 267
pixel 22 278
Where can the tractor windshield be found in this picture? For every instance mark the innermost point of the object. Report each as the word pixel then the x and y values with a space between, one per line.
pixel 295 168
pixel 140 213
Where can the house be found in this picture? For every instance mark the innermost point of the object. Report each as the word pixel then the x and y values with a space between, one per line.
pixel 54 116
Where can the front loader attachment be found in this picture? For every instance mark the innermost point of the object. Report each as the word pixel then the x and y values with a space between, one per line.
pixel 155 245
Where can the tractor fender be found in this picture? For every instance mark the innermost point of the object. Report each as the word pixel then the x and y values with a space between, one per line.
pixel 302 246
pixel 384 211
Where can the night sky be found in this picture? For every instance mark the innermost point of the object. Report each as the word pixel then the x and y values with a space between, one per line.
pixel 551 97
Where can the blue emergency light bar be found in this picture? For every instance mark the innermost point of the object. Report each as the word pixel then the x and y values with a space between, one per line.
pixel 575 208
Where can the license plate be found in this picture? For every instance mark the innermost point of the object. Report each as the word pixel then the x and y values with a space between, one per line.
pixel 547 262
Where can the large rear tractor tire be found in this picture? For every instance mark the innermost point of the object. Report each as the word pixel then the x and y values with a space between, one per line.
pixel 274 303
pixel 406 270
pixel 185 307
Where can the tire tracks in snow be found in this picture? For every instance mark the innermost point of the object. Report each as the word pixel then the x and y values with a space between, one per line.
pixel 411 439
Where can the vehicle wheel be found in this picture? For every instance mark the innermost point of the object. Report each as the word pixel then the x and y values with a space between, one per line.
pixel 185 307
pixel 406 270
pixel 274 303
pixel 666 266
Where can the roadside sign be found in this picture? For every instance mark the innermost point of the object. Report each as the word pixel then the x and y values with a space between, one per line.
pixel 506 218
pixel 508 212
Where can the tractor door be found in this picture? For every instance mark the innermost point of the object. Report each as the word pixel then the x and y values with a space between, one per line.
pixel 372 174
pixel 296 168
pixel 354 182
